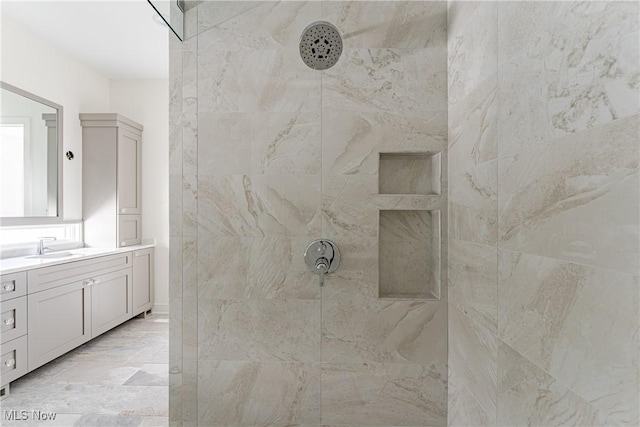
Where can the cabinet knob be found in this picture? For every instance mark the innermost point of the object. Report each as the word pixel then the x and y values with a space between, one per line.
pixel 9 321
pixel 88 282
pixel 95 281
pixel 123 210
pixel 9 287
pixel 10 362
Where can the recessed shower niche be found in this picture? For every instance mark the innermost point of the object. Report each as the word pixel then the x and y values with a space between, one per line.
pixel 410 241
pixel 410 173
pixel 409 254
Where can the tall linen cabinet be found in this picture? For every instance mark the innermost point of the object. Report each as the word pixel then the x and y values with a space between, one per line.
pixel 111 180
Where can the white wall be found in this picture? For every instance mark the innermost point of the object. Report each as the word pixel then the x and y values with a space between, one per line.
pixel 147 102
pixel 34 65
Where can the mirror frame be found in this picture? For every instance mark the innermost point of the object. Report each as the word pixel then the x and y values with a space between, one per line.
pixel 38 220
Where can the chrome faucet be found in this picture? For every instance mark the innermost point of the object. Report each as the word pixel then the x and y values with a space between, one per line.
pixel 41 247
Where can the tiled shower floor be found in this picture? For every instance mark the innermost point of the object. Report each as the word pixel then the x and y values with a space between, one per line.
pixel 118 379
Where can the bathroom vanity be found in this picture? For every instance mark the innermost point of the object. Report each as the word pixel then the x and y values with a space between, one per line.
pixel 52 304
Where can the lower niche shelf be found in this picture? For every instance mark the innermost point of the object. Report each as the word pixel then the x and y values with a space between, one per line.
pixel 409 254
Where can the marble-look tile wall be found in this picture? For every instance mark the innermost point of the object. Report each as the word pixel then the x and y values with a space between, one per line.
pixel 267 155
pixel 544 149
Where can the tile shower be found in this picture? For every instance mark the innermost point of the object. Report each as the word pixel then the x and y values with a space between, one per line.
pixel 544 146
pixel 526 135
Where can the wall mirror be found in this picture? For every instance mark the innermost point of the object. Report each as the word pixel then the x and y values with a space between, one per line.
pixel 30 158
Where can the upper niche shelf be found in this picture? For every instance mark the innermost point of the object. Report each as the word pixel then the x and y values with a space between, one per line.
pixel 410 173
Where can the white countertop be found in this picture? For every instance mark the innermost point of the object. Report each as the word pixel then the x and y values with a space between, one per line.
pixel 24 263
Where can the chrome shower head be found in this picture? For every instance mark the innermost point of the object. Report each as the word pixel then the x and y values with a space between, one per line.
pixel 320 45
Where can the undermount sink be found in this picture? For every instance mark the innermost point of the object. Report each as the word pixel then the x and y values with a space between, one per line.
pixel 62 254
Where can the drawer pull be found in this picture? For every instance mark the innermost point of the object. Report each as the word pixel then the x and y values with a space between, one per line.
pixel 9 287
pixel 136 254
pixel 10 362
pixel 123 210
pixel 91 282
pixel 9 321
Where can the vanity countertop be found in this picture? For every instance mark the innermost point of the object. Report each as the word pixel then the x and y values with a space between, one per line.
pixel 24 263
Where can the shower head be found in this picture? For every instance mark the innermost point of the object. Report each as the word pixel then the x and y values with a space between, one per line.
pixel 320 45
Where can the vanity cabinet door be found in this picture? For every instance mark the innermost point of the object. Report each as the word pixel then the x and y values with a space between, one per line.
pixel 110 300
pixel 129 180
pixel 142 281
pixel 129 230
pixel 111 179
pixel 59 320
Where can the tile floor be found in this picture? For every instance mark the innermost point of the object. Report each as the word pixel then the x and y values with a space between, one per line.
pixel 117 379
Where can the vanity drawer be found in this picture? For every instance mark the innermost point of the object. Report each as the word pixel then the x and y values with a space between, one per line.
pixel 13 319
pixel 57 275
pixel 13 360
pixel 13 285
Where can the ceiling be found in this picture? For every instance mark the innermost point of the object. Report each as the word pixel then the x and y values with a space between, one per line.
pixel 120 39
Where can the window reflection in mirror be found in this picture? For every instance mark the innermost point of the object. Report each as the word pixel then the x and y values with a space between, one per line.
pixel 29 156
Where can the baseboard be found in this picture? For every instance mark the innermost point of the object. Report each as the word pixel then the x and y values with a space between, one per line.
pixel 161 308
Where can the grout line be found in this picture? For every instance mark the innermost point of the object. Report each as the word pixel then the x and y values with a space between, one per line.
pixel 195 219
pixel 497 205
pixel 321 215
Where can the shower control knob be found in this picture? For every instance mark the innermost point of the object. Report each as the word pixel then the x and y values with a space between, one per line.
pixel 322 257
pixel 322 265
